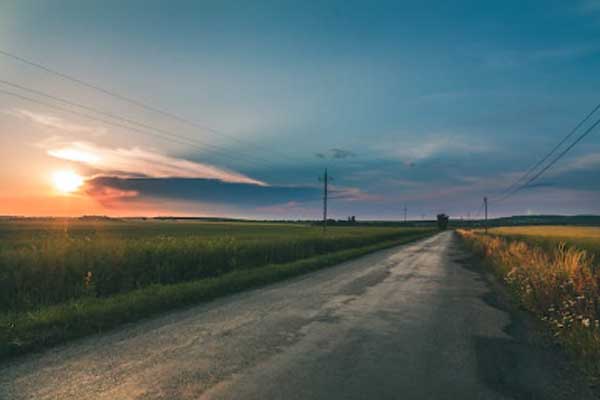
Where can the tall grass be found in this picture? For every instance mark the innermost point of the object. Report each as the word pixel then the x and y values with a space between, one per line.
pixel 64 289
pixel 558 284
pixel 54 268
pixel 50 325
pixel 581 237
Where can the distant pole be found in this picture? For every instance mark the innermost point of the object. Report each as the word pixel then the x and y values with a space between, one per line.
pixel 405 213
pixel 325 179
pixel 486 213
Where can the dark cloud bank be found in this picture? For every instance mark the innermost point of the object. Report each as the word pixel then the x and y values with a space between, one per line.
pixel 201 190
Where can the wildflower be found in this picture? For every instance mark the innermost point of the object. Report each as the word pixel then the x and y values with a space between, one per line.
pixel 88 279
pixel 586 322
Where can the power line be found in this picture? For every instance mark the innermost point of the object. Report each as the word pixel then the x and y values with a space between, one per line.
pixel 169 137
pixel 546 157
pixel 135 102
pixel 478 213
pixel 118 117
pixel 555 160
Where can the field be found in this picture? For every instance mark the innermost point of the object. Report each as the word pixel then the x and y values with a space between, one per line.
pixel 554 272
pixel 65 278
pixel 582 237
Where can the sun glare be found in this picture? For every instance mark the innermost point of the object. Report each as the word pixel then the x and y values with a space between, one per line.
pixel 67 181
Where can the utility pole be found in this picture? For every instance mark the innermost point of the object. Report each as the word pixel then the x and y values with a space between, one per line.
pixel 486 214
pixel 325 179
pixel 404 213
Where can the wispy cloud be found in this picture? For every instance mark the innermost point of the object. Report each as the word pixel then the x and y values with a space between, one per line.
pixel 352 194
pixel 564 53
pixel 589 161
pixel 415 149
pixel 589 7
pixel 56 123
pixel 516 58
pixel 336 154
pixel 341 153
pixel 136 162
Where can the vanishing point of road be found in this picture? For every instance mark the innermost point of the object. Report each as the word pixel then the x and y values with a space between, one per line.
pixel 418 321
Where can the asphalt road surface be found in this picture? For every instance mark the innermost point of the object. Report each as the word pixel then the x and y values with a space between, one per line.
pixel 417 321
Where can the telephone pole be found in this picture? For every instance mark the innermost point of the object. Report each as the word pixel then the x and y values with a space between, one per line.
pixel 325 179
pixel 486 213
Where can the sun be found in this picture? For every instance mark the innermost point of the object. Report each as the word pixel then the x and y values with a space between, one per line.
pixel 66 181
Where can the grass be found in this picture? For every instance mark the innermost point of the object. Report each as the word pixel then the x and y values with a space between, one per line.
pixel 50 262
pixel 554 274
pixel 582 237
pixel 57 286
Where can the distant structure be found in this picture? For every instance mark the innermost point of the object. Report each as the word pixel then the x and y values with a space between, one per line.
pixel 442 221
pixel 352 219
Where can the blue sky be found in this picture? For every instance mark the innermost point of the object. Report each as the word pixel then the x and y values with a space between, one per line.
pixel 430 104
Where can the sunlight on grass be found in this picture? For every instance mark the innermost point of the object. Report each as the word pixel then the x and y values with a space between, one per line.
pixel 553 278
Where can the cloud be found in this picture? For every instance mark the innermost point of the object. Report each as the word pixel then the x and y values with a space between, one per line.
pixel 352 194
pixel 416 149
pixel 114 192
pixel 336 154
pixel 585 162
pixel 449 95
pixel 108 195
pixel 589 7
pixel 562 53
pixel 536 185
pixel 290 208
pixel 57 123
pixel 110 190
pixel 137 162
pixel 515 58
pixel 341 154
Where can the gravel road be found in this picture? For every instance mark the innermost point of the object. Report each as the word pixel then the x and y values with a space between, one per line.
pixel 418 321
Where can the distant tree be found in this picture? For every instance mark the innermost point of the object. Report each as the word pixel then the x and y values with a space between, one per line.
pixel 442 221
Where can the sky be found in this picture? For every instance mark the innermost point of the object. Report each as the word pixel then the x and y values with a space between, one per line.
pixel 235 108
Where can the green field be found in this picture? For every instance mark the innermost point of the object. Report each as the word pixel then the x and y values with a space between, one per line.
pixel 66 278
pixel 25 231
pixel 45 262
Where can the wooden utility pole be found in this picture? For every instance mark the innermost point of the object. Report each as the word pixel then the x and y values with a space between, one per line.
pixel 486 213
pixel 325 179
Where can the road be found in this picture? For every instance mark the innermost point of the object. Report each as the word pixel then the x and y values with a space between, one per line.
pixel 413 322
